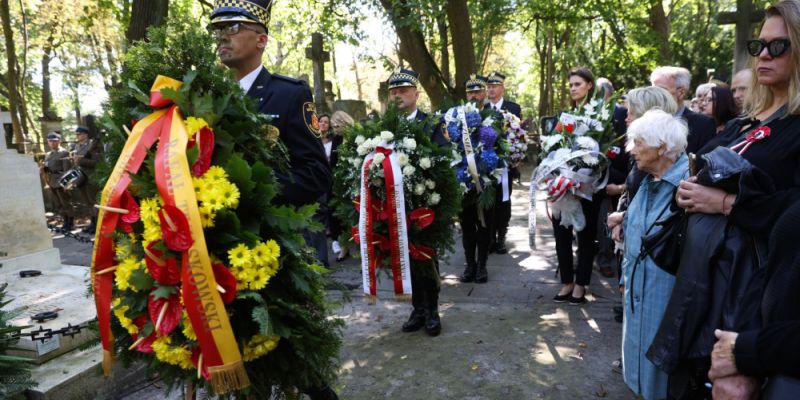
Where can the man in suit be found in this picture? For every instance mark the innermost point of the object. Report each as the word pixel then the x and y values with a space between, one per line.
pixel 240 28
pixel 495 90
pixel 403 89
pixel 676 81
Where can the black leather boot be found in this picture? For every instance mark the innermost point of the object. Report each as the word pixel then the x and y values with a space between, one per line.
pixel 69 223
pixel 92 226
pixel 500 244
pixel 481 274
pixel 469 271
pixel 433 324
pixel 418 315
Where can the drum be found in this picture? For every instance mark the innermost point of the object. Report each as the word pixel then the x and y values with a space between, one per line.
pixel 72 179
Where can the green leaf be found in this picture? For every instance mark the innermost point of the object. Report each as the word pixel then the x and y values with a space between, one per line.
pixel 261 317
pixel 191 155
pixel 240 173
pixel 137 93
pixel 255 296
pixel 164 291
pixel 141 280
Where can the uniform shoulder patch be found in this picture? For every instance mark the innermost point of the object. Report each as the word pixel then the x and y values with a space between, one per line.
pixel 310 117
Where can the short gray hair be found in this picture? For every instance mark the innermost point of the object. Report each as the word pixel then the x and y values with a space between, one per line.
pixel 703 88
pixel 642 99
pixel 679 75
pixel 656 128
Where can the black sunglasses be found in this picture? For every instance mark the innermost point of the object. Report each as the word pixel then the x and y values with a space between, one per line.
pixel 775 48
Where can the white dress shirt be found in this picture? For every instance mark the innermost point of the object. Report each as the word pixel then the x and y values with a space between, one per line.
pixel 247 81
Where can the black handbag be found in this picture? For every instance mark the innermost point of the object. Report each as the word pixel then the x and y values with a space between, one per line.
pixel 664 246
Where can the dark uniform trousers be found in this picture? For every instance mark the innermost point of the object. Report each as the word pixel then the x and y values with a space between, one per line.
pixel 56 163
pixel 476 237
pixel 502 215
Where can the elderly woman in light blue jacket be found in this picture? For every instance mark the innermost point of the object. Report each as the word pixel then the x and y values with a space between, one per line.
pixel 657 142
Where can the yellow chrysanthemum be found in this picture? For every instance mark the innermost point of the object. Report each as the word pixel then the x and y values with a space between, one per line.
pixel 199 185
pixel 260 279
pixel 207 217
pixel 215 173
pixel 174 355
pixel 193 125
pixel 188 330
pixel 124 271
pixel 258 346
pixel 151 233
pixel 239 256
pixel 122 249
pixel 126 322
pixel 230 194
pixel 148 209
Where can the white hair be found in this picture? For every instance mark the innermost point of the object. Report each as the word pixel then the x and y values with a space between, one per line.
pixel 656 128
pixel 703 88
pixel 679 75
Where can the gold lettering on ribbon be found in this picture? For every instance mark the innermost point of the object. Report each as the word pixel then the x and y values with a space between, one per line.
pixel 201 292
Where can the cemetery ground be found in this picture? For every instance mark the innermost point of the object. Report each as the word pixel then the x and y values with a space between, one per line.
pixel 505 339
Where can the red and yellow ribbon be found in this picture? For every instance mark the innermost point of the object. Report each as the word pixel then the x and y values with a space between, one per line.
pixel 174 181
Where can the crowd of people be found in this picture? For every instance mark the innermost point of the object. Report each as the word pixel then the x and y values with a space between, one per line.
pixel 697 220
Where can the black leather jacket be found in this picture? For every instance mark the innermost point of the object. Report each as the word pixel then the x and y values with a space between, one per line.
pixel 718 262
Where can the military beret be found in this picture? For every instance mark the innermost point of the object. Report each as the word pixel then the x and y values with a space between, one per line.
pixel 476 82
pixel 402 78
pixel 254 11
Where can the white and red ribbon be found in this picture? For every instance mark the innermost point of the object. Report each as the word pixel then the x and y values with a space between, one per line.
pixel 755 136
pixel 395 212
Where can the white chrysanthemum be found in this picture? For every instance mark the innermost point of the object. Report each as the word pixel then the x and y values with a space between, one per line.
pixel 430 184
pixel 562 154
pixel 410 143
pixel 419 189
pixel 360 140
pixel 585 142
pixel 590 159
pixel 436 197
pixel 425 163
pixel 402 158
pixel 378 158
pixel 387 136
pixel 409 170
pixel 549 141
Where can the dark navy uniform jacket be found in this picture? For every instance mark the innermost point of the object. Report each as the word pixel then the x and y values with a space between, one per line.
pixel 288 101
pixel 435 128
pixel 512 107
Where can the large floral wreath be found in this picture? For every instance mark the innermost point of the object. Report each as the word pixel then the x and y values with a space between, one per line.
pixel 574 162
pixel 480 152
pixel 398 191
pixel 195 270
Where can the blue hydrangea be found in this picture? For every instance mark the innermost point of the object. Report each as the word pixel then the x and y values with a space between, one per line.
pixel 474 119
pixel 487 136
pixel 462 175
pixel 488 161
pixel 454 132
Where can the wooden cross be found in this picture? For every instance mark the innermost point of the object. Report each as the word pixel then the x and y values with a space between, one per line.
pixel 744 17
pixel 318 58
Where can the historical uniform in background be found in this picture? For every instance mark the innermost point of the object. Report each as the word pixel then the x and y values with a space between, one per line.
pixel 403 89
pixel 475 235
pixel 56 164
pixel 240 28
pixel 85 156
pixel 496 89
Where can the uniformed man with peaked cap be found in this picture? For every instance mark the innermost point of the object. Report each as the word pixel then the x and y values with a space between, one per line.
pixel 403 89
pixel 240 28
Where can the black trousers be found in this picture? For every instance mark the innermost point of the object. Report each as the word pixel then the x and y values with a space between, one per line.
pixel 587 247
pixel 502 214
pixel 475 236
pixel 425 285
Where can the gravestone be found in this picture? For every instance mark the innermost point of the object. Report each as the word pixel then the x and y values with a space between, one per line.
pixel 744 17
pixel 318 57
pixel 355 108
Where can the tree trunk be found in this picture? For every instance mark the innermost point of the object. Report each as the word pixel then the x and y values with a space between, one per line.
pixel 11 59
pixel 413 49
pixel 358 78
pixel 463 45
pixel 441 23
pixel 144 14
pixel 47 94
pixel 662 26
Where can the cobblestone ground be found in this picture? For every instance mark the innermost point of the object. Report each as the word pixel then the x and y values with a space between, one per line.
pixel 502 340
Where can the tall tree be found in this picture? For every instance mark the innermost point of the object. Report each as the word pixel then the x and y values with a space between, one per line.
pixel 144 14
pixel 12 76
